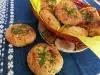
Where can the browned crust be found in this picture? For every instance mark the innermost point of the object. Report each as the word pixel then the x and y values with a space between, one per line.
pixel 93 11
pixel 45 5
pixel 50 19
pixel 64 17
pixel 18 40
pixel 34 65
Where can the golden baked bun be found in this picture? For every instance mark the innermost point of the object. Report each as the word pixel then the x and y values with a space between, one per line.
pixel 94 29
pixel 50 19
pixel 44 60
pixel 48 4
pixel 90 14
pixel 20 35
pixel 66 12
pixel 76 30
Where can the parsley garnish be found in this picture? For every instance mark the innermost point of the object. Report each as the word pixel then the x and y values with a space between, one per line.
pixel 70 10
pixel 51 3
pixel 54 58
pixel 20 30
pixel 38 49
pixel 87 16
pixel 76 17
pixel 42 56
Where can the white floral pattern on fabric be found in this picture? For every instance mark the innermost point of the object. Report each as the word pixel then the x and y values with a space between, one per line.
pixel 10 50
pixel 1 64
pixel 10 57
pixel 1 26
pixel 1 70
pixel 3 20
pixel 10 65
pixel 11 72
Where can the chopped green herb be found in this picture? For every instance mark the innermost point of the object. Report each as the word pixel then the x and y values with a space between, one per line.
pixel 43 56
pixel 51 61
pixel 70 10
pixel 76 17
pixel 20 30
pixel 51 3
pixel 87 16
pixel 38 49
pixel 53 57
pixel 42 59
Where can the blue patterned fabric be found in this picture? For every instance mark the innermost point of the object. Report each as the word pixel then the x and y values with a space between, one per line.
pixel 13 60
pixel 95 3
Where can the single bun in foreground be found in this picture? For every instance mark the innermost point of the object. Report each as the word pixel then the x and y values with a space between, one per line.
pixel 44 59
pixel 20 35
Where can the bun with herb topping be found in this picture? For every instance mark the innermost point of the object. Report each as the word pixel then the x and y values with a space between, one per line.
pixel 48 5
pixel 20 35
pixel 89 15
pixel 66 12
pixel 44 60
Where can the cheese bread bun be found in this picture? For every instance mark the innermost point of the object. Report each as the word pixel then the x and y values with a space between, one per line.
pixel 20 35
pixel 50 19
pixel 44 60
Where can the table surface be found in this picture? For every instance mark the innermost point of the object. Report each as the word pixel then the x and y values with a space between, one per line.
pixel 13 60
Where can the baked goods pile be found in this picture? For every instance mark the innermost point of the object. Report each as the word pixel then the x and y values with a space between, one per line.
pixel 66 18
pixel 42 59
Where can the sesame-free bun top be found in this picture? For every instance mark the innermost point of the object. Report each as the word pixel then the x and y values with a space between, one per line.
pixel 20 35
pixel 44 60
